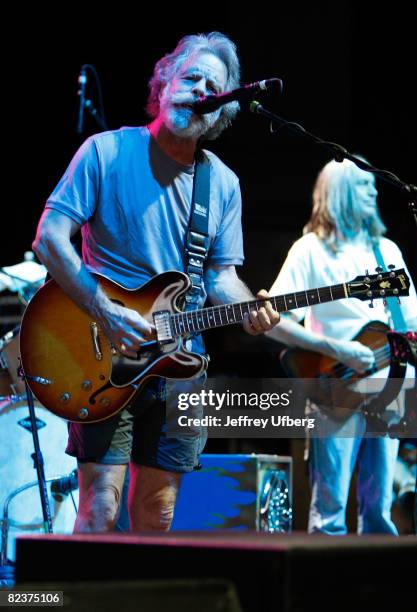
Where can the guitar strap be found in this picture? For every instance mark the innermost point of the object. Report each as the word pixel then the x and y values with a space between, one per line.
pixel 403 350
pixel 196 247
pixel 399 348
pixel 393 306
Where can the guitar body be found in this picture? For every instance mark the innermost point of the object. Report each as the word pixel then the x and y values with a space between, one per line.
pixel 328 382
pixel 70 365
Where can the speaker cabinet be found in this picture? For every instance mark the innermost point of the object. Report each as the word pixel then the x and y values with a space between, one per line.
pixel 272 572
pixel 204 595
pixel 237 492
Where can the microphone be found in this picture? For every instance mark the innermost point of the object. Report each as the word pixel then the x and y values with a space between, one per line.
pixel 63 486
pixel 209 104
pixel 82 81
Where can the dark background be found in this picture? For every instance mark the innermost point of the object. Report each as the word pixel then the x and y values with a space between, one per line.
pixel 348 72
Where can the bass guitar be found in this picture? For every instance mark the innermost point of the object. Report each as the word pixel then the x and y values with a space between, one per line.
pixel 74 371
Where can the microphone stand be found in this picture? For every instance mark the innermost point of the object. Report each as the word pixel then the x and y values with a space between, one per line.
pixel 340 153
pixel 86 104
pixel 95 115
pixel 38 459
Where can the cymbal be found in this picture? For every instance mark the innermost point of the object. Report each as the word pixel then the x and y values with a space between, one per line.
pixel 23 278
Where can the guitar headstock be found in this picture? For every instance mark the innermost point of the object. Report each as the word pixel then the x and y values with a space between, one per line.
pixel 381 285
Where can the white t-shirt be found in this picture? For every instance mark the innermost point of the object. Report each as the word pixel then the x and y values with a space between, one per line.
pixel 311 264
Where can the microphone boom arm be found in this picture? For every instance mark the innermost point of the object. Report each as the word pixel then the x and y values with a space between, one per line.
pixel 340 153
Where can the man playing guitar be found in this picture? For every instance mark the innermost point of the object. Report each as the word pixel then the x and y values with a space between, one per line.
pixel 341 238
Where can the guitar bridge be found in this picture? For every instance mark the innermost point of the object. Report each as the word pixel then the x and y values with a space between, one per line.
pixel 162 324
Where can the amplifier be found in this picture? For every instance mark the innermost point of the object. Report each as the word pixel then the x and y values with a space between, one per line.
pixel 236 492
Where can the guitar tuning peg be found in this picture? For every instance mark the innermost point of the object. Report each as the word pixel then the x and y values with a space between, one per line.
pixel 384 301
pixel 391 267
pixel 378 269
pixel 371 304
pixel 398 300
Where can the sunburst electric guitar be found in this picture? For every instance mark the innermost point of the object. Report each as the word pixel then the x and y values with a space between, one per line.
pixel 75 372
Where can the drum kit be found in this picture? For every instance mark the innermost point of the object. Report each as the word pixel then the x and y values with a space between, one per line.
pixel 20 504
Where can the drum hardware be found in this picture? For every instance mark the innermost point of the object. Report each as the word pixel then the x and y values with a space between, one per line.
pixel 64 485
pixel 12 388
pixel 16 469
pixel 13 379
pixel 24 278
pixel 26 424
pixel 4 341
pixel 11 310
pixel 60 486
pixel 38 461
pixel 38 379
pixel 12 399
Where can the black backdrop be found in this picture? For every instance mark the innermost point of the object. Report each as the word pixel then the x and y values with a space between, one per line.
pixel 348 72
pixel 348 76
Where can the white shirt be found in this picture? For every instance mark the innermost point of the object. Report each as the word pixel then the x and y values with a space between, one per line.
pixel 311 264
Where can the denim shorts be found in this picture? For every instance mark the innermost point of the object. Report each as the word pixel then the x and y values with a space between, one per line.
pixel 138 433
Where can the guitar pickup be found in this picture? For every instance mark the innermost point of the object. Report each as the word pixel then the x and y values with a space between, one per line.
pixel 162 323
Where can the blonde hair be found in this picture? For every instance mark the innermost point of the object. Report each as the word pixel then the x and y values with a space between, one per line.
pixel 336 215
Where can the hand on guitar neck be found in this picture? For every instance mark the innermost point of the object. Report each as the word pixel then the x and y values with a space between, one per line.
pixel 259 321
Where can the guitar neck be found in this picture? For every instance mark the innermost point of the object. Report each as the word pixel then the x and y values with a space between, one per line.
pixel 230 314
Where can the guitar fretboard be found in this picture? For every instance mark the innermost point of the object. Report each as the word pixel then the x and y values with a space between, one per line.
pixel 229 314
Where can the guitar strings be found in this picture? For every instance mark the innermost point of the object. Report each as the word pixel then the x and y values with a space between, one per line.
pixel 340 371
pixel 381 356
pixel 343 371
